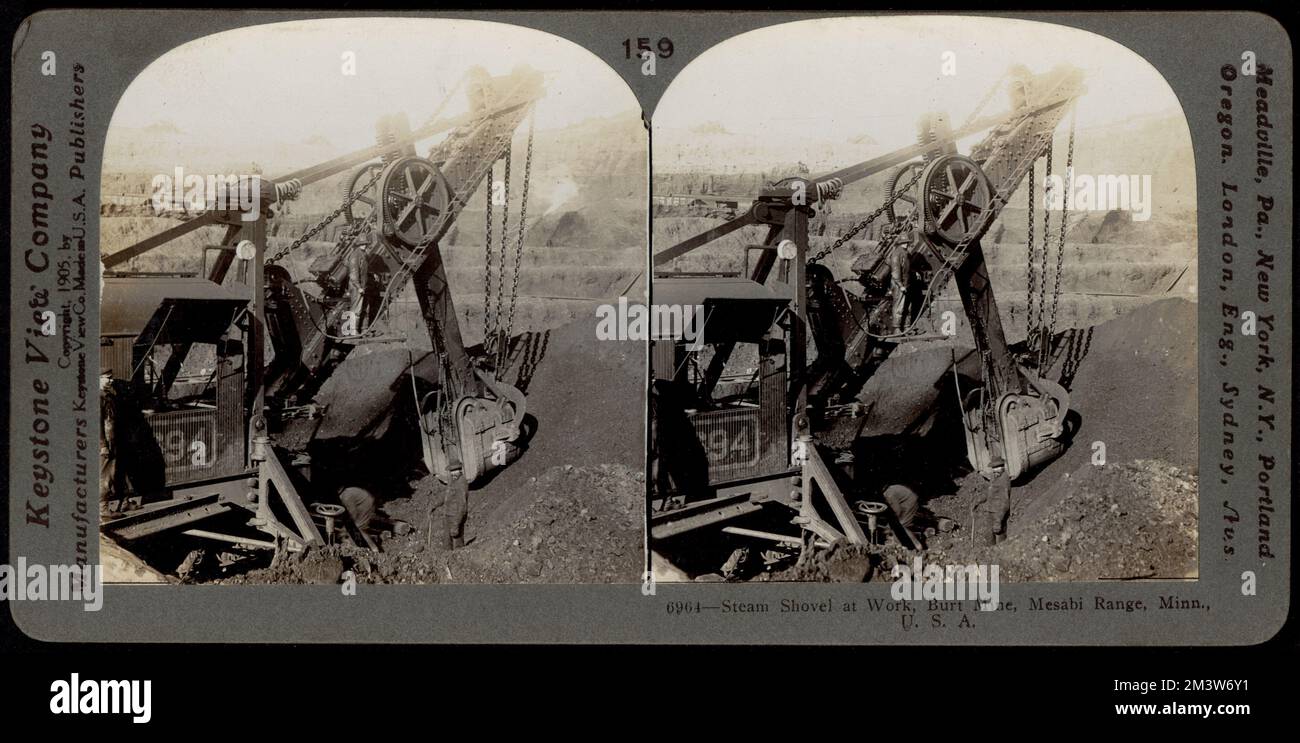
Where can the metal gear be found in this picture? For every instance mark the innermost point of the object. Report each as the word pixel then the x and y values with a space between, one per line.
pixel 414 198
pixel 360 189
pixel 955 195
pixel 903 174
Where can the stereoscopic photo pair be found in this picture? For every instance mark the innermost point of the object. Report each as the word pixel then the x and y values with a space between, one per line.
pixel 411 304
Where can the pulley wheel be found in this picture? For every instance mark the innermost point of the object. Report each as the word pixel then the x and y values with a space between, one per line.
pixel 956 195
pixel 367 201
pixel 414 196
pixel 897 179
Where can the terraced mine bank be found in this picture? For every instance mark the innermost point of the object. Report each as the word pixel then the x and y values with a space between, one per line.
pixel 571 508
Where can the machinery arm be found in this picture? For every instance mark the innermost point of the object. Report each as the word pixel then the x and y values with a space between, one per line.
pixel 305 176
pixel 1005 158
pixel 412 203
pixel 957 198
pixel 463 162
pixel 851 174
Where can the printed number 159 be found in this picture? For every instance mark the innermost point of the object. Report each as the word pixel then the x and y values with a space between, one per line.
pixel 664 46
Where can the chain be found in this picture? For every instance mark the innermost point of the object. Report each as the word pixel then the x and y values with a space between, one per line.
pixel 487 259
pixel 457 203
pixel 1042 257
pixel 984 102
pixel 491 333
pixel 519 243
pixel 1060 243
pixel 953 259
pixel 839 242
pixel 309 234
pixel 1029 257
pixel 999 200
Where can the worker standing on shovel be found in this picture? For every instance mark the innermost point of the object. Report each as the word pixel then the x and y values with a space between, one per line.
pixel 906 244
pixel 360 289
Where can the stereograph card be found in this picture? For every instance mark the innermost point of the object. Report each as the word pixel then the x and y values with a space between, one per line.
pixel 630 327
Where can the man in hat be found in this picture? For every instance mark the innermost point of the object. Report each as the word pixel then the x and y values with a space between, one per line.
pixel 107 441
pixel 901 253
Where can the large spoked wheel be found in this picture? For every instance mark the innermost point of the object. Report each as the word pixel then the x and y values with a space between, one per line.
pixel 903 202
pixel 366 201
pixel 415 197
pixel 956 195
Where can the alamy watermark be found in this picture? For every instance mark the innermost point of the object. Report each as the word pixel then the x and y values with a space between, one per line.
pixel 922 582
pixel 178 191
pixel 35 582
pixel 1100 192
pixel 626 321
pixel 94 697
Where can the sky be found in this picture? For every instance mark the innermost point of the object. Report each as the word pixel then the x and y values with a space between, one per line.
pixel 284 81
pixel 822 83
pixel 838 79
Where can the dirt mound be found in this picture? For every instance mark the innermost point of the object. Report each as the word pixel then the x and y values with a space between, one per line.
pixel 1133 390
pixel 320 565
pixel 1133 520
pixel 586 454
pixel 580 525
pixel 587 398
pixel 843 562
pixel 1134 387
pixel 566 496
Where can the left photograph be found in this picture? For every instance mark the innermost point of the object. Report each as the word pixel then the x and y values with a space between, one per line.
pixel 353 272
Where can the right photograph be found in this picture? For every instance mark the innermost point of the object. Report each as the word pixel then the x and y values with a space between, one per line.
pixel 926 291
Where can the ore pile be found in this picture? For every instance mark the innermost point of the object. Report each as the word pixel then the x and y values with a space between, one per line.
pixel 1136 515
